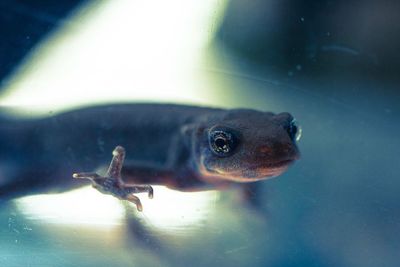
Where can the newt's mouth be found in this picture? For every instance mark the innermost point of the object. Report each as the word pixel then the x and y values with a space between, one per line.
pixel 255 172
pixel 283 164
pixel 278 164
pixel 249 172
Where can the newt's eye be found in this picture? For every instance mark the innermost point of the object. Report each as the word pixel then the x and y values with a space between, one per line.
pixel 221 142
pixel 294 130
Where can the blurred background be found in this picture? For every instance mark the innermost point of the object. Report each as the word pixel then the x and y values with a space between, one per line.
pixel 333 64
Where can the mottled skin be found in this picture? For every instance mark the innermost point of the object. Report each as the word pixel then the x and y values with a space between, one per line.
pixel 166 145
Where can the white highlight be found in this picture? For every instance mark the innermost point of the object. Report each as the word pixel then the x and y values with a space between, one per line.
pixel 119 51
pixel 169 210
pixel 83 206
pixel 172 210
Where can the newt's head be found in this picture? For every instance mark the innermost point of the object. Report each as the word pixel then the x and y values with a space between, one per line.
pixel 246 145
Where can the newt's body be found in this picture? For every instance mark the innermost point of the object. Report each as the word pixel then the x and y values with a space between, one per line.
pixel 183 147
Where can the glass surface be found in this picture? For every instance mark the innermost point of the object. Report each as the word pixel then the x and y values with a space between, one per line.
pixel 337 206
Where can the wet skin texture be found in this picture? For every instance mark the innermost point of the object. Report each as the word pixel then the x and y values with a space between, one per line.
pixel 185 148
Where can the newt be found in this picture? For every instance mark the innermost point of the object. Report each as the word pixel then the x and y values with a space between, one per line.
pixel 186 148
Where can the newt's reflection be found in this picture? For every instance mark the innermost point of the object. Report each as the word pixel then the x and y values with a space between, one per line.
pixel 172 228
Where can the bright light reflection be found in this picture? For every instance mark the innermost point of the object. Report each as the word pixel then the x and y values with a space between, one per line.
pixel 169 210
pixel 119 51
pixel 81 206
pixel 172 210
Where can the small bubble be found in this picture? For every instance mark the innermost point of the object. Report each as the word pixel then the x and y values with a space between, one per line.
pixel 27 228
pixel 298 67
pixel 302 19
pixel 328 33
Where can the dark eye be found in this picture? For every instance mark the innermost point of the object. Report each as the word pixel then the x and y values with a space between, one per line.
pixel 221 142
pixel 294 130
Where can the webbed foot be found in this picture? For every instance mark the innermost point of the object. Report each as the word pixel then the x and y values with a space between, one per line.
pixel 112 183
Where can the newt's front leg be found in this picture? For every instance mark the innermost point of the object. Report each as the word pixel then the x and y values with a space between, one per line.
pixel 112 183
